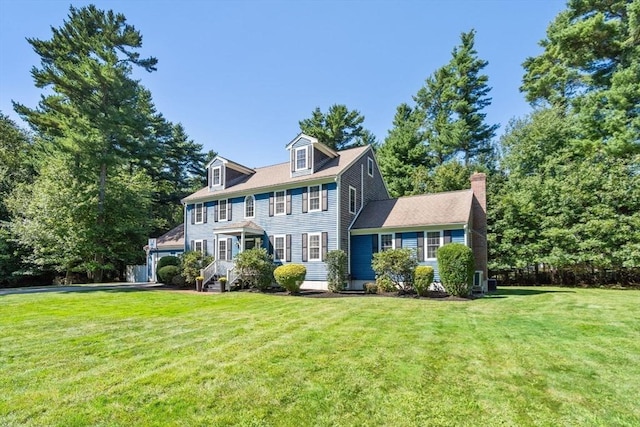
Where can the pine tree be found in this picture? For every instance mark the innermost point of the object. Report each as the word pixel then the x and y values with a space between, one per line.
pixel 339 128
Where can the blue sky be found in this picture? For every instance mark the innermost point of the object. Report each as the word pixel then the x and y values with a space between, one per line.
pixel 239 75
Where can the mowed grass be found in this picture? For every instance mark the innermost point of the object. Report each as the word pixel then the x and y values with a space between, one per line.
pixel 523 356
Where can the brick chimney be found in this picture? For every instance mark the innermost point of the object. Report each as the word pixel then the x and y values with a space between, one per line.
pixel 479 224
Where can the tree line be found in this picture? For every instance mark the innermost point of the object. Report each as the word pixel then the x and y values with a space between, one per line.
pixel 101 169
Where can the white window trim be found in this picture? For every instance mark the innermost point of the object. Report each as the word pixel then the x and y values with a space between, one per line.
pixel 370 166
pixel 393 240
pixel 355 200
pixel 284 203
pixel 426 244
pixel 252 197
pixel 195 246
pixel 319 236
pixel 195 214
pixel 319 208
pixel 306 159
pixel 220 243
pixel 284 247
pixel 226 206
pixel 219 169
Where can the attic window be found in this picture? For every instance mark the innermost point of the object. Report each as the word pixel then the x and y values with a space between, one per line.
pixel 301 158
pixel 215 175
pixel 370 166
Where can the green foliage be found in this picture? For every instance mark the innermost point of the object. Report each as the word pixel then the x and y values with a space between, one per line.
pixel 456 267
pixel 167 273
pixel 384 284
pixel 396 265
pixel 192 262
pixel 422 279
pixel 255 268
pixel 370 288
pixel 167 260
pixel 339 128
pixel 290 276
pixel 336 270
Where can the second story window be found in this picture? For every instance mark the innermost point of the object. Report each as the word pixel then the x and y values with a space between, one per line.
pixel 199 215
pixel 301 159
pixel 280 202
pixel 216 174
pixel 222 210
pixel 314 198
pixel 249 207
pixel 352 200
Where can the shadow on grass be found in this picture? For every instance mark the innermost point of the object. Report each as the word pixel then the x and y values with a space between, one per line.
pixel 507 292
pixel 76 289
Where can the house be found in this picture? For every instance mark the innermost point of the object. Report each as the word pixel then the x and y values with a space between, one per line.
pixel 320 200
pixel 169 244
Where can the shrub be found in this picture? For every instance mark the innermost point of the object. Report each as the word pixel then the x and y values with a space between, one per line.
pixel 290 276
pixel 384 284
pixel 370 288
pixel 167 260
pixel 422 279
pixel 456 266
pixel 336 270
pixel 192 262
pixel 397 265
pixel 178 280
pixel 255 268
pixel 167 273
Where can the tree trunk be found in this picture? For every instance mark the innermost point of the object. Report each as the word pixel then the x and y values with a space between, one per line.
pixel 99 258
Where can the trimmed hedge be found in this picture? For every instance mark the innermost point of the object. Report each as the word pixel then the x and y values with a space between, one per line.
pixel 167 260
pixel 290 276
pixel 456 267
pixel 167 273
pixel 422 278
pixel 336 270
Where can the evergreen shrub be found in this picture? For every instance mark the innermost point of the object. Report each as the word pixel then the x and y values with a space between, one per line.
pixel 456 267
pixel 290 276
pixel 422 279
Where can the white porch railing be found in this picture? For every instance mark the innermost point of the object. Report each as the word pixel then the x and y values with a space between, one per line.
pixel 217 268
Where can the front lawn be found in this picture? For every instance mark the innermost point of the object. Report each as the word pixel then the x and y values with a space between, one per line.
pixel 523 356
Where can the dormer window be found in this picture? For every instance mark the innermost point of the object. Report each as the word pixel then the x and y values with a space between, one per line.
pixel 216 174
pixel 302 160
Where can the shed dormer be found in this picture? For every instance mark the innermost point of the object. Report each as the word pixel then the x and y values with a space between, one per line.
pixel 223 173
pixel 307 155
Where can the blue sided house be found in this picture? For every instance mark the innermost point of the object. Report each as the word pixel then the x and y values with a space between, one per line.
pixel 321 200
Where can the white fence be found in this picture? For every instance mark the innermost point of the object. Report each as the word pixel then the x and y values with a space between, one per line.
pixel 137 273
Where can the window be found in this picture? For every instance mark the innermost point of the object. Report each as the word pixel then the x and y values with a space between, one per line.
pixel 314 198
pixel 370 166
pixel 199 213
pixel 222 210
pixel 279 248
pixel 249 207
pixel 198 246
pixel 215 176
pixel 222 249
pixel 301 158
pixel 386 242
pixel 433 243
pixel 280 202
pixel 314 247
pixel 352 200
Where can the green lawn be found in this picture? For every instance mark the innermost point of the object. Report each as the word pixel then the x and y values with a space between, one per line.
pixel 524 356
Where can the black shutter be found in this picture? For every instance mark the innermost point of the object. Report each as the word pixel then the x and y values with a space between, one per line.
pixel 271 204
pixel 325 243
pixel 288 255
pixel 192 245
pixel 288 193
pixel 305 239
pixel 305 200
pixel 325 198
pixel 420 245
pixel 229 209
pixel 398 241
pixel 215 211
pixel 193 214
pixel 447 236
pixel 204 213
pixel 293 159
pixel 229 248
pixel 309 155
pixel 204 247
pixel 271 248
pixel 374 243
